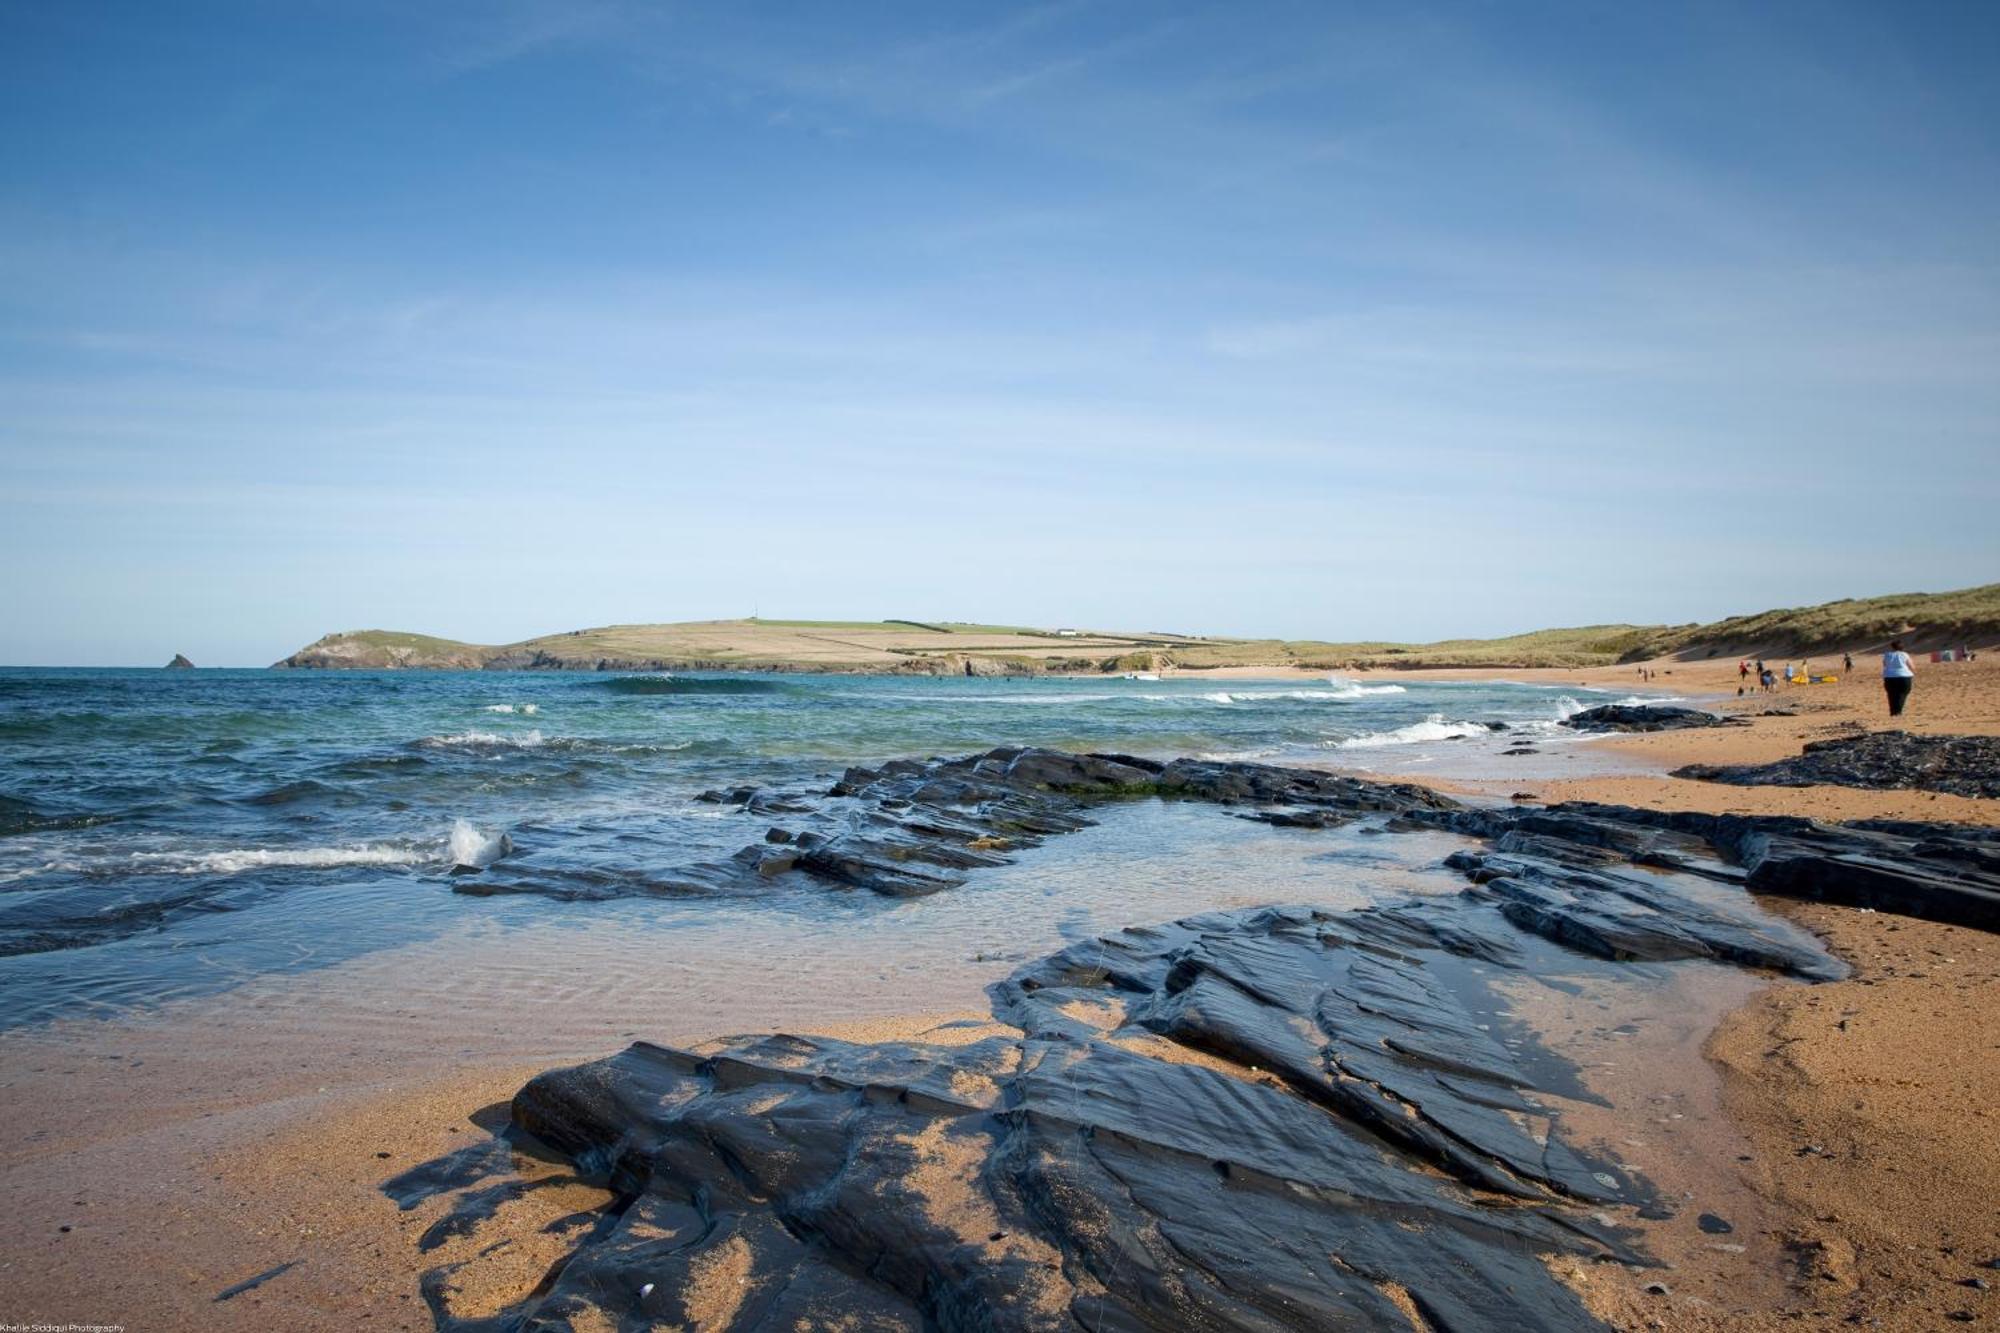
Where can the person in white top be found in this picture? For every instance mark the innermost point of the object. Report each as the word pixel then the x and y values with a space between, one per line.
pixel 1898 674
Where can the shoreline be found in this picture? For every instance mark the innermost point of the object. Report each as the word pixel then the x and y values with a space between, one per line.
pixel 1890 1072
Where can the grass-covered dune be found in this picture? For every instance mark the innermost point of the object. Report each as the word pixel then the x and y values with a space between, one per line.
pixel 1925 620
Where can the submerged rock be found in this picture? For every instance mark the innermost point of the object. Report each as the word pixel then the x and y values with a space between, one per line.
pixel 1879 761
pixel 1645 717
pixel 912 828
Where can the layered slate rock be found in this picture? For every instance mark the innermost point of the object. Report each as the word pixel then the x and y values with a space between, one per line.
pixel 911 828
pixel 1946 872
pixel 1276 1118
pixel 1878 761
pixel 914 827
pixel 1645 717
pixel 1346 1136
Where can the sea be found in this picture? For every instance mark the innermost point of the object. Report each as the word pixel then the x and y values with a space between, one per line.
pixel 171 835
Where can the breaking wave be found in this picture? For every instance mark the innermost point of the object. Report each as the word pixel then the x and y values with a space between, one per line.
pixel 1345 689
pixel 236 860
pixel 1432 728
pixel 1342 688
pixel 529 709
pixel 483 740
pixel 475 850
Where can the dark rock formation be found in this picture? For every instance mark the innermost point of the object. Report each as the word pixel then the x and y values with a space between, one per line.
pixel 914 827
pixel 180 663
pixel 1261 1119
pixel 1277 1174
pixel 1879 761
pixel 1645 717
pixel 1946 872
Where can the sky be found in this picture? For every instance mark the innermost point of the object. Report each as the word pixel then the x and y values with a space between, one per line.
pixel 1390 321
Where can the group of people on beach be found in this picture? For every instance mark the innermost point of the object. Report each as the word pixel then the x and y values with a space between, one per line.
pixel 1898 674
pixel 1767 680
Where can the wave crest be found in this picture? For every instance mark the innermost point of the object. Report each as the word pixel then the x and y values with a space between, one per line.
pixel 238 859
pixel 483 740
pixel 476 850
pixel 1432 728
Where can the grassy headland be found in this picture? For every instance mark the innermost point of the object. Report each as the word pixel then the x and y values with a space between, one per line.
pixel 1926 620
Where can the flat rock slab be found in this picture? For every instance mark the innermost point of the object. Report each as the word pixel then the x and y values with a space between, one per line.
pixel 1944 872
pixel 1345 1136
pixel 1878 761
pixel 1645 717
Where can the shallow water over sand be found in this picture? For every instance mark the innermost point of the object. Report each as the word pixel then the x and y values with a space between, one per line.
pixel 503 978
pixel 169 835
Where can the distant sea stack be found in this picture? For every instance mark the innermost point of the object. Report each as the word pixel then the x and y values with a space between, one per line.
pixel 180 663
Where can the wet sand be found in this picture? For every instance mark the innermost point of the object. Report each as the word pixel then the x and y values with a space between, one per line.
pixel 143 1185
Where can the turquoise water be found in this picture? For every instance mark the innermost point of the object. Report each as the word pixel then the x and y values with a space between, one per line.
pixel 163 833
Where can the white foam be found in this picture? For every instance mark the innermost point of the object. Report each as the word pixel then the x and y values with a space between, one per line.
pixel 240 859
pixel 1241 756
pixel 483 740
pixel 1432 728
pixel 55 866
pixel 475 849
pixel 1344 688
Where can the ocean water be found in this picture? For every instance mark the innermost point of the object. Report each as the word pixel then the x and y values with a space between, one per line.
pixel 168 834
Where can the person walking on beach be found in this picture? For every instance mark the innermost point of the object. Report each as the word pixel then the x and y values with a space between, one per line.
pixel 1847 663
pixel 1898 674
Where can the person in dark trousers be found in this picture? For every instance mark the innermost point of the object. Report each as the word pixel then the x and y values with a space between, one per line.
pixel 1898 674
pixel 1847 663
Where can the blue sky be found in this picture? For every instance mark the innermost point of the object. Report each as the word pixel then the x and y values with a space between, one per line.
pixel 493 319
